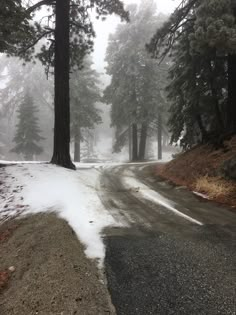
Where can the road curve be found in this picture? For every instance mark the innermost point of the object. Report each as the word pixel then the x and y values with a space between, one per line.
pixel 162 262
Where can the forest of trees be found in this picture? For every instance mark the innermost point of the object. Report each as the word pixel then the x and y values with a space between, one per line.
pixel 168 74
pixel 69 33
pixel 136 91
pixel 84 93
pixel 200 38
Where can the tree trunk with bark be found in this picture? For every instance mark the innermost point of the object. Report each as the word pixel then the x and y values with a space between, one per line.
pixel 29 157
pixel 214 95
pixel 143 139
pixel 159 137
pixel 130 143
pixel 61 150
pixel 77 145
pixel 202 129
pixel 231 106
pixel 134 142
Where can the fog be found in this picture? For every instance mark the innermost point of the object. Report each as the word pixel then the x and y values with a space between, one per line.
pixel 98 139
pixel 104 28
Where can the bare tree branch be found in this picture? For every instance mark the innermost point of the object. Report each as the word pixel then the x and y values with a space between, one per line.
pixel 170 31
pixel 35 42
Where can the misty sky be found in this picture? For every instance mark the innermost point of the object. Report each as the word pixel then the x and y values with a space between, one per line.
pixel 103 29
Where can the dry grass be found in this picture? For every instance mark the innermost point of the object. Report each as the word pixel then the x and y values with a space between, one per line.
pixel 214 187
pixel 198 169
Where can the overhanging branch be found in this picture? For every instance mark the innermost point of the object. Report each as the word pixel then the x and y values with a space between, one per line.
pixel 35 42
pixel 39 4
pixel 166 35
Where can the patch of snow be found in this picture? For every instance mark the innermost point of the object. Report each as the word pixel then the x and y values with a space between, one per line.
pixel 166 157
pixel 142 163
pixel 7 162
pixel 84 165
pixel 71 194
pixel 128 172
pixel 132 183
pixel 142 167
pixel 201 195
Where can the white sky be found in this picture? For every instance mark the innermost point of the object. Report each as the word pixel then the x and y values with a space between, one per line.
pixel 103 29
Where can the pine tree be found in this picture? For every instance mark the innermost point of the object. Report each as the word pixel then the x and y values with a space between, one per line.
pixel 201 38
pixel 27 132
pixel 68 43
pixel 14 26
pixel 84 95
pixel 16 76
pixel 136 88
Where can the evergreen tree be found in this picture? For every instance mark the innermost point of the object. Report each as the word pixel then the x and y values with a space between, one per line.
pixel 85 93
pixel 67 43
pixel 196 93
pixel 201 37
pixel 13 78
pixel 27 132
pixel 14 26
pixel 17 76
pixel 136 88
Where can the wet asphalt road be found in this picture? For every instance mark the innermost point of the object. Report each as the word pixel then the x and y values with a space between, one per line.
pixel 163 263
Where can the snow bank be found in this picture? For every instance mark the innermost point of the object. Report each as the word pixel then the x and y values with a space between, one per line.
pixel 71 194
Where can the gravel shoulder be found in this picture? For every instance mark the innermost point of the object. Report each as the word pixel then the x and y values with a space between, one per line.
pixel 52 274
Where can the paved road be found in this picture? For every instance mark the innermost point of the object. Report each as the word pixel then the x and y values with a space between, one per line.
pixel 178 253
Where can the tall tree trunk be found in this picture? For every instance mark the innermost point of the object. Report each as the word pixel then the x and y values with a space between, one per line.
pixel 130 143
pixel 77 145
pixel 216 102
pixel 143 139
pixel 218 113
pixel 61 150
pixel 134 142
pixel 231 106
pixel 29 157
pixel 159 137
pixel 201 127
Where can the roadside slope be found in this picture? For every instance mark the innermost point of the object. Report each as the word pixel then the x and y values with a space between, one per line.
pixel 201 169
pixel 51 273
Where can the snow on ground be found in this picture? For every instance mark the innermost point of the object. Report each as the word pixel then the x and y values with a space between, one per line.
pixel 71 194
pixel 134 184
pixel 6 162
pixel 166 157
pixel 37 187
pixel 201 195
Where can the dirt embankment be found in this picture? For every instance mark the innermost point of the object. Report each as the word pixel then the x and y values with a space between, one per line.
pixel 199 169
pixel 49 273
